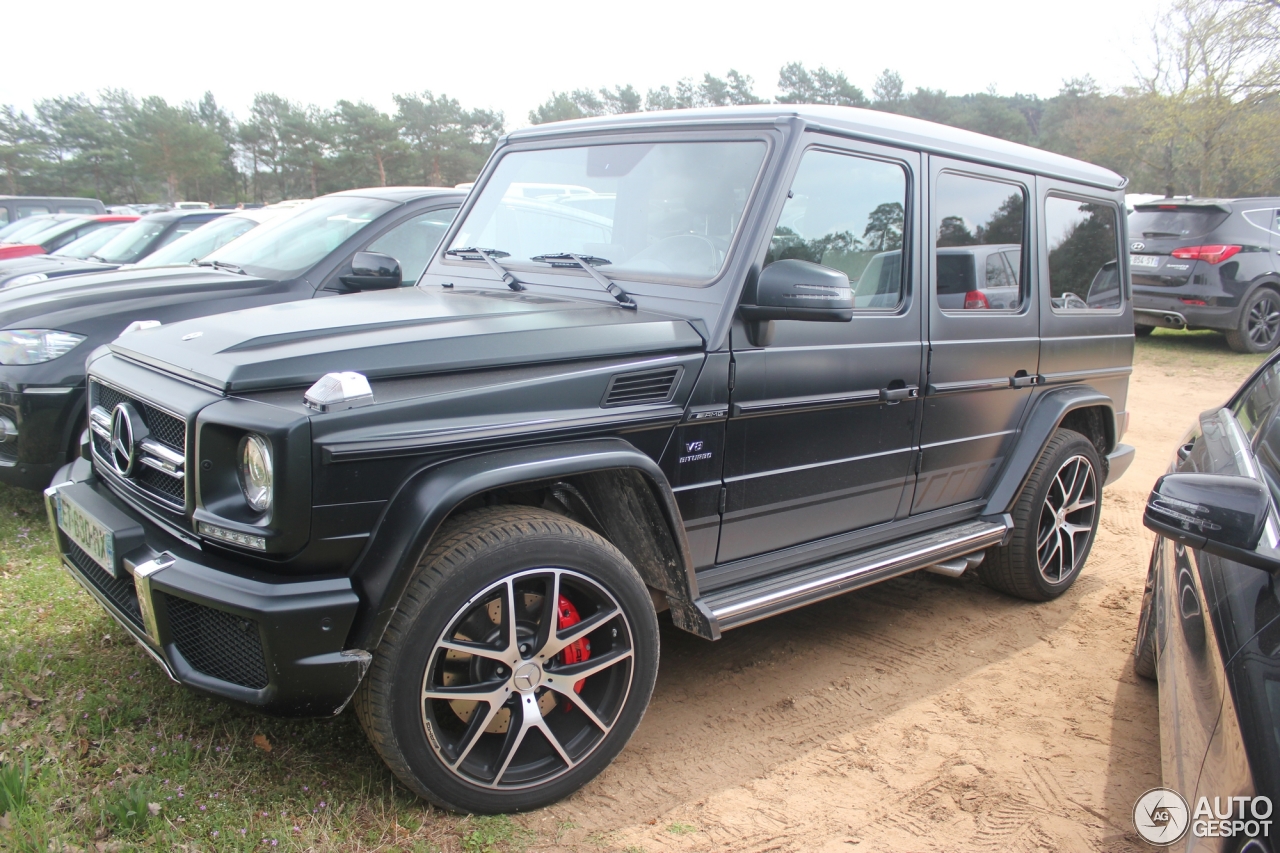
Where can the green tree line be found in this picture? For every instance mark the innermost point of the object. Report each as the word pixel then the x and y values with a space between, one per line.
pixel 1203 118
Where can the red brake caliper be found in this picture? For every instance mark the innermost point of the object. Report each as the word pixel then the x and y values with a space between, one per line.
pixel 578 650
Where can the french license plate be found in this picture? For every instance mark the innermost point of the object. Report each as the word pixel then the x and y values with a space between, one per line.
pixel 1146 261
pixel 87 532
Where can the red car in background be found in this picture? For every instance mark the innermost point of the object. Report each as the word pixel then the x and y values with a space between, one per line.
pixel 62 229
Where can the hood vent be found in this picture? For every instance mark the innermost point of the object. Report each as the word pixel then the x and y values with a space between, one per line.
pixel 646 386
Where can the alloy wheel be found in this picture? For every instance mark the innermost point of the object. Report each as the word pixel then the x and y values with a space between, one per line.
pixel 1264 322
pixel 528 679
pixel 1067 519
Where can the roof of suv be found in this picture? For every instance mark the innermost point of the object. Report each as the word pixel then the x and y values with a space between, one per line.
pixel 872 125
pixel 398 194
pixel 1266 201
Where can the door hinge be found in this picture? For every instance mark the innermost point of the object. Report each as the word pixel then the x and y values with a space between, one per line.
pixel 733 373
pixel 724 498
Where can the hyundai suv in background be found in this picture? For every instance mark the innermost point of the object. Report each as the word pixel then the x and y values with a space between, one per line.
pixel 1208 264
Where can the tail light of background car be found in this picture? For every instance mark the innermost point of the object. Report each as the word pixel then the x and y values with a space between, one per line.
pixel 1210 254
pixel 976 299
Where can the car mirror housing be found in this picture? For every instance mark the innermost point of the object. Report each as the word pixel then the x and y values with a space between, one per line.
pixel 1221 514
pixel 373 271
pixel 792 289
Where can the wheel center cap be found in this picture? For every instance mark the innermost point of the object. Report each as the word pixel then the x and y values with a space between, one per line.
pixel 527 677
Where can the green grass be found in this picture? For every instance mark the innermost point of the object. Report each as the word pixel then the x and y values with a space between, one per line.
pixel 1192 353
pixel 96 745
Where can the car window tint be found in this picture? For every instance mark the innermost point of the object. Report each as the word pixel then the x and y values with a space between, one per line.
pixel 413 242
pixel 31 210
pixel 4 216
pixel 1258 401
pixel 847 213
pixel 183 229
pixel 1082 239
pixel 981 224
pixel 77 208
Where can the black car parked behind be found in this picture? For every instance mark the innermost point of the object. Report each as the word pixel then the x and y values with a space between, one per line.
pixel 1208 264
pixel 48 328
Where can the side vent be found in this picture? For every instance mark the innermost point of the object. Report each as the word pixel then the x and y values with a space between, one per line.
pixel 645 386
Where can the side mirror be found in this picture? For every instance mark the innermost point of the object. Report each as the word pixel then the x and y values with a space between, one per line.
pixel 792 289
pixel 373 271
pixel 1223 515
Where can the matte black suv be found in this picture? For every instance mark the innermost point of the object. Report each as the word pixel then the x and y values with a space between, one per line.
pixel 637 376
pixel 48 328
pixel 1208 264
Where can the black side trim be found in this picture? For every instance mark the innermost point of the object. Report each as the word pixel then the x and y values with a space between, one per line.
pixel 805 404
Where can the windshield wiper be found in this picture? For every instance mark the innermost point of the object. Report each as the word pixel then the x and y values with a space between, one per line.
pixel 471 253
pixel 589 263
pixel 1160 234
pixel 222 265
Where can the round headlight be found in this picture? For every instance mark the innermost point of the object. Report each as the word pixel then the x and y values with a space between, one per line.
pixel 255 471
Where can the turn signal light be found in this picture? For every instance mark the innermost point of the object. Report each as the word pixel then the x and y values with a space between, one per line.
pixel 976 299
pixel 1209 254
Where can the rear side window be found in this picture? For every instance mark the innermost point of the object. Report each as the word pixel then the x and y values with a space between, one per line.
pixel 978 246
pixel 1174 221
pixel 1083 270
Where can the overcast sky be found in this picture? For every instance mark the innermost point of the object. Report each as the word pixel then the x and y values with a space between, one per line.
pixel 510 56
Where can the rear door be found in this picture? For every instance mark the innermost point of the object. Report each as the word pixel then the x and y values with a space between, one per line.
pixel 982 359
pixel 822 417
pixel 1086 315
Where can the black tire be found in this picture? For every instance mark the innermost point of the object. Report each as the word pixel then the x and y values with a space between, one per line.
pixel 1144 648
pixel 1027 566
pixel 1259 329
pixel 1142 331
pixel 483 568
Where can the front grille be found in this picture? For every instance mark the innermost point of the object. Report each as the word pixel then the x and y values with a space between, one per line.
pixel 165 428
pixel 218 643
pixel 119 591
pixel 647 386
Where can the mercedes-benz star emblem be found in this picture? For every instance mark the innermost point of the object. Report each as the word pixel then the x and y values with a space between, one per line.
pixel 527 677
pixel 1137 246
pixel 127 433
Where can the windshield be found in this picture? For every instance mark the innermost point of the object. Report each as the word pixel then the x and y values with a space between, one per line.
pixel 193 246
pixel 52 231
pixel 292 245
pixel 14 232
pixel 90 243
pixel 131 243
pixel 666 210
pixel 1171 221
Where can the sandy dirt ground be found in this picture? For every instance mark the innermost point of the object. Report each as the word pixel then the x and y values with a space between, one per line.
pixel 924 713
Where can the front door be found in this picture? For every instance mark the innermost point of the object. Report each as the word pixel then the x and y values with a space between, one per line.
pixel 984 328
pixel 822 419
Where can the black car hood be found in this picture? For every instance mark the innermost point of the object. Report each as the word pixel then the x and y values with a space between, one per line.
pixel 79 303
pixel 50 265
pixel 389 333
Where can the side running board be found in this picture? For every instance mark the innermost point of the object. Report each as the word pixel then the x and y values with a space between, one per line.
pixel 739 605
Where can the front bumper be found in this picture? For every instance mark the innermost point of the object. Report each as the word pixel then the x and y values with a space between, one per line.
pixel 276 646
pixel 45 420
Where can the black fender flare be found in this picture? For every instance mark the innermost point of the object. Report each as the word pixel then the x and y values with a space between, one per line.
pixel 425 500
pixel 1047 412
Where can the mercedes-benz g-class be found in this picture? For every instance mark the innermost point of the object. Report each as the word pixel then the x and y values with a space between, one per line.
pixel 692 361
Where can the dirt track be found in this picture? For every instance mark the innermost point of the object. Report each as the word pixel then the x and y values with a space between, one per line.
pixel 922 714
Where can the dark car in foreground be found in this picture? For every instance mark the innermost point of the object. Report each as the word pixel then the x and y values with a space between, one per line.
pixel 1209 630
pixel 462 505
pixel 49 327
pixel 60 231
pixel 133 244
pixel 1208 263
